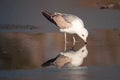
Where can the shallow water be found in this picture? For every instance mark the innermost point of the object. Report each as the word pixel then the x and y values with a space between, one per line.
pixel 21 56
pixel 83 73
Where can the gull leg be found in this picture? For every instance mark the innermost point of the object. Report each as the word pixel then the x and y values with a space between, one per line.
pixel 65 37
pixel 74 40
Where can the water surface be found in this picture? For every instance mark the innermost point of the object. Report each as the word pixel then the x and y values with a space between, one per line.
pixel 21 56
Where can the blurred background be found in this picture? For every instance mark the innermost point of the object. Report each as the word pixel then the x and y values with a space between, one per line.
pixel 94 13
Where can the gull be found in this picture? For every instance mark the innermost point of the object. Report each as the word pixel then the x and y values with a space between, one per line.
pixel 68 23
pixel 68 58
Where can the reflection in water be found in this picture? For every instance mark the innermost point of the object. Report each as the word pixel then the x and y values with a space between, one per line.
pixel 29 50
pixel 69 58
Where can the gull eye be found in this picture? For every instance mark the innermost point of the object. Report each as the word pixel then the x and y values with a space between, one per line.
pixel 83 50
pixel 83 35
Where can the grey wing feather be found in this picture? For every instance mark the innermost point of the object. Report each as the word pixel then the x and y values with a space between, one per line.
pixel 70 18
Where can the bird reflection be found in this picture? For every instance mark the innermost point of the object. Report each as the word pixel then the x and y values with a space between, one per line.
pixel 68 58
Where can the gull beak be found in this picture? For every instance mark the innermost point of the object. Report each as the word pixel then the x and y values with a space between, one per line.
pixel 49 16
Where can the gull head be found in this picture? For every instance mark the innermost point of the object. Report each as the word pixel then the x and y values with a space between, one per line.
pixel 83 34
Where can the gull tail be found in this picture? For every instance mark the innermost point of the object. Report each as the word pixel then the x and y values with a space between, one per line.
pixel 48 16
pixel 49 62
